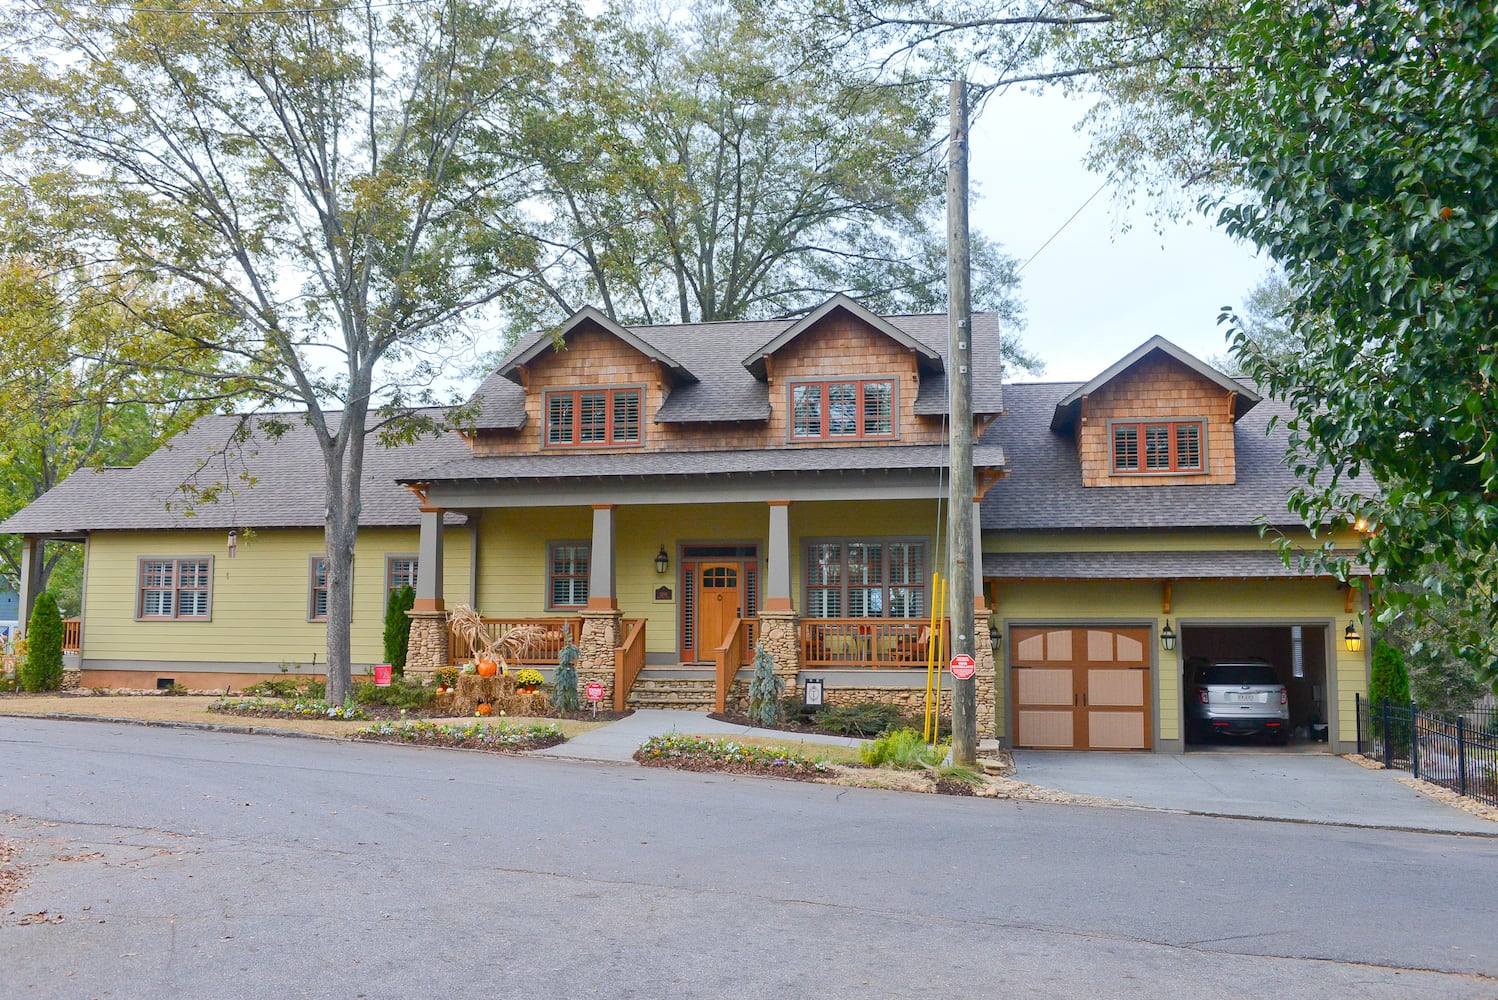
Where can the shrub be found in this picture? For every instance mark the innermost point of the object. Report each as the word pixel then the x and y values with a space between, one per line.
pixel 564 681
pixel 1390 682
pixel 398 694
pixel 304 688
pixel 765 690
pixel 865 719
pixel 42 669
pixel 398 627
pixel 903 750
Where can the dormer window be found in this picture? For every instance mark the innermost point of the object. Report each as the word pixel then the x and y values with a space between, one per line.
pixel 592 418
pixel 843 409
pixel 1174 446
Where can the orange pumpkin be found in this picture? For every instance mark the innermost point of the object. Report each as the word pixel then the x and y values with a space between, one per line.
pixel 483 709
pixel 487 668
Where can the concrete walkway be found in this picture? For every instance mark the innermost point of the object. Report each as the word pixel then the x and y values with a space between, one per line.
pixel 618 741
pixel 1315 788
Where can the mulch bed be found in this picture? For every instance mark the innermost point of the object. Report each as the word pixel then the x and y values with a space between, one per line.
pixel 512 742
pixel 727 767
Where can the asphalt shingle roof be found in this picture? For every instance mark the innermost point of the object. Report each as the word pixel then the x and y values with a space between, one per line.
pixel 1208 564
pixel 1044 490
pixel 725 390
pixel 287 489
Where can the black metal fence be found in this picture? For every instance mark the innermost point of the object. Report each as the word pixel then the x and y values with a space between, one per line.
pixel 1459 752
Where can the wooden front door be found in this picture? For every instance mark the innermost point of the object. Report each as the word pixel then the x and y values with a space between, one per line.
pixel 720 599
pixel 1081 688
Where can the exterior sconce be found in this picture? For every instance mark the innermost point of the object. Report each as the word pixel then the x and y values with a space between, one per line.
pixel 233 542
pixel 1167 637
pixel 993 636
pixel 662 561
pixel 1351 637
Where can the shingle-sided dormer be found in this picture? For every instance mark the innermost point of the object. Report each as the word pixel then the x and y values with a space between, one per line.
pixel 1159 416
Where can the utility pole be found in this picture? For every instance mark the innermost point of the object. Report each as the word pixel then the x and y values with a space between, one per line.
pixel 960 403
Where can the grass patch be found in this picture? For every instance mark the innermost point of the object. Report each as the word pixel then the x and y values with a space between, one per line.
pixel 826 753
pixel 697 753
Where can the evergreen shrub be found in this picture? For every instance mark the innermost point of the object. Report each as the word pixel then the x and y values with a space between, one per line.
pixel 42 670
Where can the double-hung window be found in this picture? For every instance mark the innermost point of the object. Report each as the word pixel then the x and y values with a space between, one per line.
pixel 843 409
pixel 592 418
pixel 400 571
pixel 866 578
pixel 1142 447
pixel 175 589
pixel 317 590
pixel 567 575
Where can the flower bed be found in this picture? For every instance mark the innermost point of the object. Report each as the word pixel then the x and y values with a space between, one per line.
pixel 693 753
pixel 496 737
pixel 273 708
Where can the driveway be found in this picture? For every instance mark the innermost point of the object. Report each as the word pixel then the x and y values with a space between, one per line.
pixel 1314 788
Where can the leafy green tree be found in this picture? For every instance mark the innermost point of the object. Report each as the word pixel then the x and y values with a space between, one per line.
pixel 1390 683
pixel 765 690
pixel 702 166
pixel 398 627
pixel 337 183
pixel 1368 136
pixel 42 670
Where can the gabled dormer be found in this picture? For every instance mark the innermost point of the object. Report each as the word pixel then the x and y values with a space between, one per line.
pixel 1158 416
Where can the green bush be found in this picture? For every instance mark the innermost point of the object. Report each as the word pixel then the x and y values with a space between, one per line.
pixel 903 750
pixel 765 690
pixel 304 688
pixel 398 694
pixel 1390 682
pixel 865 719
pixel 398 627
pixel 564 679
pixel 42 670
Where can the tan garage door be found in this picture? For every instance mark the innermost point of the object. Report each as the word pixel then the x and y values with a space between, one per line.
pixel 1081 687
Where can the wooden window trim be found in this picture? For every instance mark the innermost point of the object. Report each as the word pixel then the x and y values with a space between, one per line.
pixel 176 588
pixel 552 577
pixel 1140 428
pixel 577 392
pixel 826 435
pixel 313 588
pixel 843 586
pixel 390 559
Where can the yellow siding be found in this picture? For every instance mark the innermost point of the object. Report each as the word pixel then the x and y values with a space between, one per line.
pixel 260 597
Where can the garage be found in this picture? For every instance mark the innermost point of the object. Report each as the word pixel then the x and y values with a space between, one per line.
pixel 1295 654
pixel 1081 687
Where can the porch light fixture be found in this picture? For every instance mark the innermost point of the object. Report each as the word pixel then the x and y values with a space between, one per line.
pixel 233 542
pixel 662 561
pixel 1351 637
pixel 1167 637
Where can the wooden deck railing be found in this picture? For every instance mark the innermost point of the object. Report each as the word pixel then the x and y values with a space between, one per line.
pixel 544 654
pixel 865 643
pixel 72 635
pixel 629 659
pixel 732 655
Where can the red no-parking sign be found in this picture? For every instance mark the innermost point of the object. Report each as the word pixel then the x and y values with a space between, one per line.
pixel 963 666
pixel 595 691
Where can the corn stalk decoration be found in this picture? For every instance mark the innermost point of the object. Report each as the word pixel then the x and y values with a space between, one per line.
pixel 505 649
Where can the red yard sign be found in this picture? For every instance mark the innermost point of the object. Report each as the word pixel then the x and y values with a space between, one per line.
pixel 382 674
pixel 963 666
pixel 595 691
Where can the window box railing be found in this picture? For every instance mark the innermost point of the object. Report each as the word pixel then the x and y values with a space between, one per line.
pixel 543 654
pixel 864 643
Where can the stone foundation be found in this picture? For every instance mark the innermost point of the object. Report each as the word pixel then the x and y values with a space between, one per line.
pixel 428 649
pixel 72 680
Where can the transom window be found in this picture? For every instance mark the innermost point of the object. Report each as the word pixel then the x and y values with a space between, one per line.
pixel 1158 447
pixel 843 409
pixel 592 417
pixel 567 574
pixel 317 598
pixel 866 579
pixel 172 589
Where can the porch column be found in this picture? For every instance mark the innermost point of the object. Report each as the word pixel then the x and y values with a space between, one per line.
pixel 779 627
pixel 428 649
pixel 987 677
pixel 32 550
pixel 602 631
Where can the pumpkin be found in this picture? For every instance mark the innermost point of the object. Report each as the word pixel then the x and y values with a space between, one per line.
pixel 487 668
pixel 483 709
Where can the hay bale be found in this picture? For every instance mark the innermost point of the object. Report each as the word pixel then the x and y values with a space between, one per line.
pixel 473 689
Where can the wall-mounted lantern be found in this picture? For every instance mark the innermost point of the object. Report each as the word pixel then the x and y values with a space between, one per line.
pixel 1351 637
pixel 662 561
pixel 233 542
pixel 1167 637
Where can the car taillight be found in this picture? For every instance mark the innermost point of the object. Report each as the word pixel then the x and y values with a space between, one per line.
pixel 1284 698
pixel 1201 695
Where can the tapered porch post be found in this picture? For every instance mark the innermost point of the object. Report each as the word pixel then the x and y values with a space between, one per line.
pixel 601 621
pixel 428 648
pixel 779 626
pixel 32 550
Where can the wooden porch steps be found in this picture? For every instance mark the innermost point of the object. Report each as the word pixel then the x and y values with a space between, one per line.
pixel 691 694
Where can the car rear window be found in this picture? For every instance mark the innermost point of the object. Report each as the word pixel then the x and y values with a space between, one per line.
pixel 1240 673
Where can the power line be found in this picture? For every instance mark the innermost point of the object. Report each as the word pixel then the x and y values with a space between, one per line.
pixel 1068 222
pixel 248 11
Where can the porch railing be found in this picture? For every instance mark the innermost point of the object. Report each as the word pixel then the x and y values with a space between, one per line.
pixel 865 643
pixel 730 656
pixel 542 654
pixel 629 660
pixel 72 635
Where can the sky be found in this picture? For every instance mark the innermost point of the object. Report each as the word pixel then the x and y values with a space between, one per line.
pixel 1097 292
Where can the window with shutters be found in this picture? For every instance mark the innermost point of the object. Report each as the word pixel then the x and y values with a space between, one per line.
pixel 567 575
pixel 1158 447
pixel 593 418
pixel 175 589
pixel 317 590
pixel 843 410
pixel 866 578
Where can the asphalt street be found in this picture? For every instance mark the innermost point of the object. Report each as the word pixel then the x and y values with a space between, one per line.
pixel 198 864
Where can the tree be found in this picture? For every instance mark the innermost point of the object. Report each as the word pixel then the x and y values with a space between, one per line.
pixel 1368 135
pixel 765 689
pixel 336 182
pixel 42 670
pixel 564 681
pixel 701 166
pixel 1265 320
pixel 398 627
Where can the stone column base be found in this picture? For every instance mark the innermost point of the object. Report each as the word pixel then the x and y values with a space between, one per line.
pixel 428 649
pixel 987 679
pixel 602 632
pixel 780 634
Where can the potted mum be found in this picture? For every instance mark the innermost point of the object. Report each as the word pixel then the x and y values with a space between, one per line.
pixel 528 680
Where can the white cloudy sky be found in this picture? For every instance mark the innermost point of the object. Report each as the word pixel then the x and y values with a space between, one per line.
pixel 1096 292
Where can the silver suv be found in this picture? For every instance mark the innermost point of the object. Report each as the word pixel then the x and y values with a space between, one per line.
pixel 1235 697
